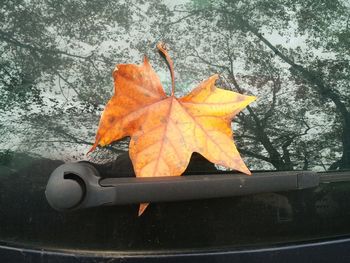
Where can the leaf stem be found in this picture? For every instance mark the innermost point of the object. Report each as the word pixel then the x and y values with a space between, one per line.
pixel 164 51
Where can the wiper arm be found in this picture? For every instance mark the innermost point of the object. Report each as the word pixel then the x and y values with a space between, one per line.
pixel 78 185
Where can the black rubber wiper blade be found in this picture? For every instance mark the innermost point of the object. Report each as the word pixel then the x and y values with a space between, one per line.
pixel 78 185
pixel 334 176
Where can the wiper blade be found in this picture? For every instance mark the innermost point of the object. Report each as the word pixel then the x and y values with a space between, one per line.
pixel 78 185
pixel 334 176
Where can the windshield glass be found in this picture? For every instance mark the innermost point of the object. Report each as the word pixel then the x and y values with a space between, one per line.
pixel 56 63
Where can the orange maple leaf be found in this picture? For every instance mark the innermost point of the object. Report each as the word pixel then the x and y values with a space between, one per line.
pixel 166 130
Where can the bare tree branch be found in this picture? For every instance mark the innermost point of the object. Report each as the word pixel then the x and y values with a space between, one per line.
pixel 9 39
pixel 271 110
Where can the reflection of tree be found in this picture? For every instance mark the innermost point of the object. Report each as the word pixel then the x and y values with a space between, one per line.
pixel 316 81
pixel 314 78
pixel 50 38
pixel 57 57
pixel 50 59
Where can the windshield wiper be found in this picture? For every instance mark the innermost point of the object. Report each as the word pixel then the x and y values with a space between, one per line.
pixel 79 185
pixel 334 176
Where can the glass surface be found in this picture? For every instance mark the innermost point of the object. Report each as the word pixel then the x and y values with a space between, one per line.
pixel 56 60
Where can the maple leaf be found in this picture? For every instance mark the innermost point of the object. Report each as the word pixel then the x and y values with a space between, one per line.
pixel 166 130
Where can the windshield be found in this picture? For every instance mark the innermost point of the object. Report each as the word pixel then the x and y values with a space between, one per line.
pixel 56 63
